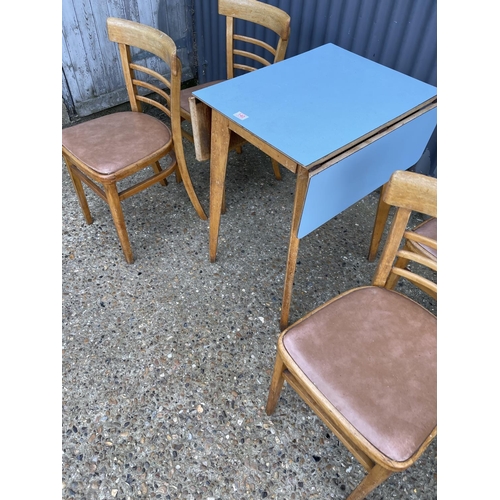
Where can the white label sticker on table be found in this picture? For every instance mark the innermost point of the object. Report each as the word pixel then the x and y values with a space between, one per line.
pixel 240 115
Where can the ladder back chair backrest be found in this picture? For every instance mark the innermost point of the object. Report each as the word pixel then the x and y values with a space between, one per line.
pixel 104 151
pixel 237 57
pixel 408 193
pixel 366 361
pixel 260 14
pixel 415 241
pixel 129 34
pixel 428 226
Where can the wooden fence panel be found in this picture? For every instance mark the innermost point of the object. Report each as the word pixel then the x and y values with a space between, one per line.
pixel 91 70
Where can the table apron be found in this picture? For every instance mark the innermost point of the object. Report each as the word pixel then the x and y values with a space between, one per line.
pixel 264 147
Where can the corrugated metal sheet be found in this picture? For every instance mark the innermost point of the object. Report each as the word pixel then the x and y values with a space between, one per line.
pixel 400 34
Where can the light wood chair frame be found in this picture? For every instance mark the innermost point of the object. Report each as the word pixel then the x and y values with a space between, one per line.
pixel 129 34
pixel 408 192
pixel 381 217
pixel 256 12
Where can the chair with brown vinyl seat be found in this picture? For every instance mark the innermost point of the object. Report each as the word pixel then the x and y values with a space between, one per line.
pixel 241 56
pixel 104 151
pixel 365 361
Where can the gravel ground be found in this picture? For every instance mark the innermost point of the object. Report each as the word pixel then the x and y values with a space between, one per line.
pixel 166 362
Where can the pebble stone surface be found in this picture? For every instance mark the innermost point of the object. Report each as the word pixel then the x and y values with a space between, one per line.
pixel 166 362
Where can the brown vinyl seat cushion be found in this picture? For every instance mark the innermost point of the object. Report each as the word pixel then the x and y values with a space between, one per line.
pixel 113 142
pixel 427 228
pixel 372 354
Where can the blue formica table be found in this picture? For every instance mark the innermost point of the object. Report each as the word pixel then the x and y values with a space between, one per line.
pixel 341 122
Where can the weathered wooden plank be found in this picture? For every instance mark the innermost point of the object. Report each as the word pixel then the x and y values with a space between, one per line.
pixel 90 63
pixel 87 25
pixel 74 57
pixel 109 51
pixel 69 80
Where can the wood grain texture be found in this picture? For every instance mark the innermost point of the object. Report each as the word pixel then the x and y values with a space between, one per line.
pixel 89 60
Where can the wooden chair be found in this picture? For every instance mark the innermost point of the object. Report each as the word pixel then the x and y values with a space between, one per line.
pixel 365 362
pixel 239 57
pixel 427 228
pixel 106 150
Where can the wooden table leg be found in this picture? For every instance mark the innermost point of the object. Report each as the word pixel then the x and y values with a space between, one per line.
pixel 293 246
pixel 378 227
pixel 218 161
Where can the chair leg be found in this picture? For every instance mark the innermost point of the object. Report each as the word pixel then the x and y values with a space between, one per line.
pixel 378 228
pixel 375 477
pixel 157 170
pixel 276 169
pixel 276 385
pixel 117 214
pixel 77 184
pixel 178 176
pixel 188 185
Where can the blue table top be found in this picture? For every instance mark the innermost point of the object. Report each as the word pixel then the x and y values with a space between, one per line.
pixel 317 102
